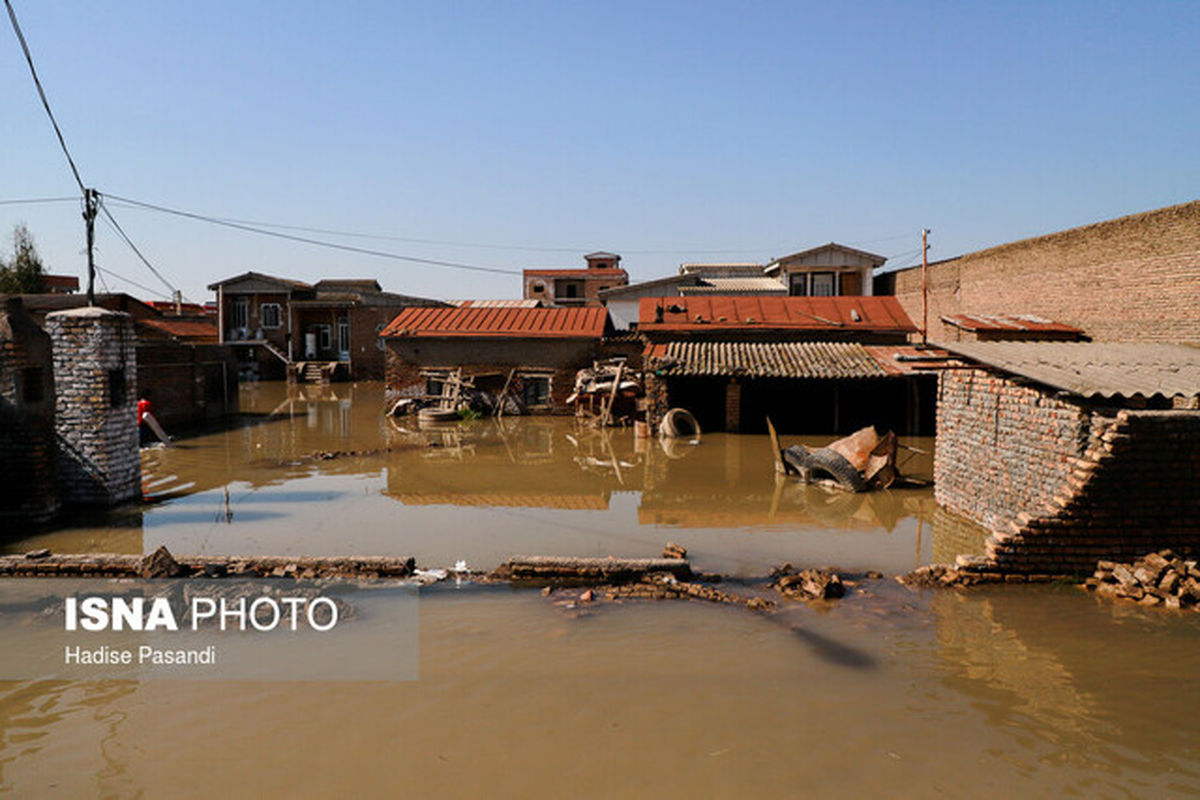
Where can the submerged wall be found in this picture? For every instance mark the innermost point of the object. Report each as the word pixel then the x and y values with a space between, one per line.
pixel 1061 484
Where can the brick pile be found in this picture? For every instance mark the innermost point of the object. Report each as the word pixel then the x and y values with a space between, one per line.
pixel 1158 579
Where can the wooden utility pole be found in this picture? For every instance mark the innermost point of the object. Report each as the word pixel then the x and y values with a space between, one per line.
pixel 925 286
pixel 91 201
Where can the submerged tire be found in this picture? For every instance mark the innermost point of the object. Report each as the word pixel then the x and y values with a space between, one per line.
pixel 679 422
pixel 822 463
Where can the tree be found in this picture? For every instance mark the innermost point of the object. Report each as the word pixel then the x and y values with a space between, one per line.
pixel 23 274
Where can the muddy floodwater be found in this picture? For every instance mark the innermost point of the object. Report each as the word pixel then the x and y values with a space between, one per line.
pixel 995 692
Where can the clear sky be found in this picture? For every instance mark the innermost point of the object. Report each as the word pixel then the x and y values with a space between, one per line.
pixel 526 134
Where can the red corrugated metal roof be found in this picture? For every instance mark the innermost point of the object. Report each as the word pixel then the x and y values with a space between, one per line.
pixel 519 323
pixel 1007 322
pixel 745 313
pixel 192 330
pixel 577 273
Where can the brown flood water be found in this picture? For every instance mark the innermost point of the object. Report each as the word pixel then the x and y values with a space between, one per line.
pixel 1039 691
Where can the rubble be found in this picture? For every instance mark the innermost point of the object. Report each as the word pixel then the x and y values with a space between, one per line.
pixel 810 584
pixel 673 550
pixel 1157 579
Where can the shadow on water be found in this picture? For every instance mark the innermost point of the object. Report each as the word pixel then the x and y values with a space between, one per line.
pixel 831 650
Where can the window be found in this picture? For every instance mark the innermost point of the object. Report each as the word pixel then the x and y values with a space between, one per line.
pixel 379 342
pixel 29 386
pixel 241 313
pixel 539 287
pixel 324 337
pixel 434 387
pixel 536 391
pixel 824 284
pixel 798 284
pixel 116 387
pixel 269 315
pixel 571 290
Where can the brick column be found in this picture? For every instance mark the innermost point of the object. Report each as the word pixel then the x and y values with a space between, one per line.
pixel 95 372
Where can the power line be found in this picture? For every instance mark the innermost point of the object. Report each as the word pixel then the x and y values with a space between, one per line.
pixel 132 282
pixel 12 17
pixel 33 200
pixel 121 232
pixel 316 242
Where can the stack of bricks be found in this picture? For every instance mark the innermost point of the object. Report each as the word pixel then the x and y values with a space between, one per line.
pixel 1061 484
pixel 95 370
pixel 28 456
pixel 658 399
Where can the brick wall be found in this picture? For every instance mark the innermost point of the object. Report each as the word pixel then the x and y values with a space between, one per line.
pixel 1062 484
pixel 95 374
pixel 1127 279
pixel 28 454
pixel 187 385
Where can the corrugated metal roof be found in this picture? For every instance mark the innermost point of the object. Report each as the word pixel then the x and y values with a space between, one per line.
pixel 757 284
pixel 743 313
pixel 765 359
pixel 1007 322
pixel 906 359
pixel 587 322
pixel 1105 369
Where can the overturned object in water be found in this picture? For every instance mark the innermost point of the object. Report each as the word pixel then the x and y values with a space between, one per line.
pixel 432 414
pixel 860 462
pixel 679 422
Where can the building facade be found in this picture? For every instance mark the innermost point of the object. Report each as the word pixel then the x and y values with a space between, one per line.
pixel 567 288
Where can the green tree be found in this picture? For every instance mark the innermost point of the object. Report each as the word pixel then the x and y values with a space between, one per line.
pixel 23 273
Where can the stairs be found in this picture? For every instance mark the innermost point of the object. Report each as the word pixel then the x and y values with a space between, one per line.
pixel 312 372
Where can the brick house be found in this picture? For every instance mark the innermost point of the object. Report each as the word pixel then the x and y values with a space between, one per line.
pixel 575 287
pixel 535 352
pixel 279 322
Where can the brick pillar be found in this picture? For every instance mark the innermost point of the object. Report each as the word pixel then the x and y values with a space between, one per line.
pixel 733 407
pixel 95 373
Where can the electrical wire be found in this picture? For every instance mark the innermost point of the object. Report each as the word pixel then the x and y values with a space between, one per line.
pixel 316 242
pixel 121 232
pixel 12 17
pixel 131 282
pixel 32 200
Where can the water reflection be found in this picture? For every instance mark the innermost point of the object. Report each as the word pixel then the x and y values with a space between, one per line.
pixel 488 489
pixel 1091 681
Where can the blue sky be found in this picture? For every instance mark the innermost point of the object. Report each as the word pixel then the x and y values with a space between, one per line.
pixel 515 135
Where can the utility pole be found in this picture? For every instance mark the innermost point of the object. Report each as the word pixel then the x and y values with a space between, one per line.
pixel 91 202
pixel 925 286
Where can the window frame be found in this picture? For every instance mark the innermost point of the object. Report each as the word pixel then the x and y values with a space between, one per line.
pixel 262 315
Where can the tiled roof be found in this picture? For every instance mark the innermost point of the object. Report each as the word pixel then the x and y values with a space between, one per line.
pixel 1006 323
pixel 580 272
pixel 520 323
pixel 746 313
pixel 765 359
pixel 1105 369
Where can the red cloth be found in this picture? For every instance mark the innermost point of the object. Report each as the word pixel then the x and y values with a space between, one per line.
pixel 143 408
